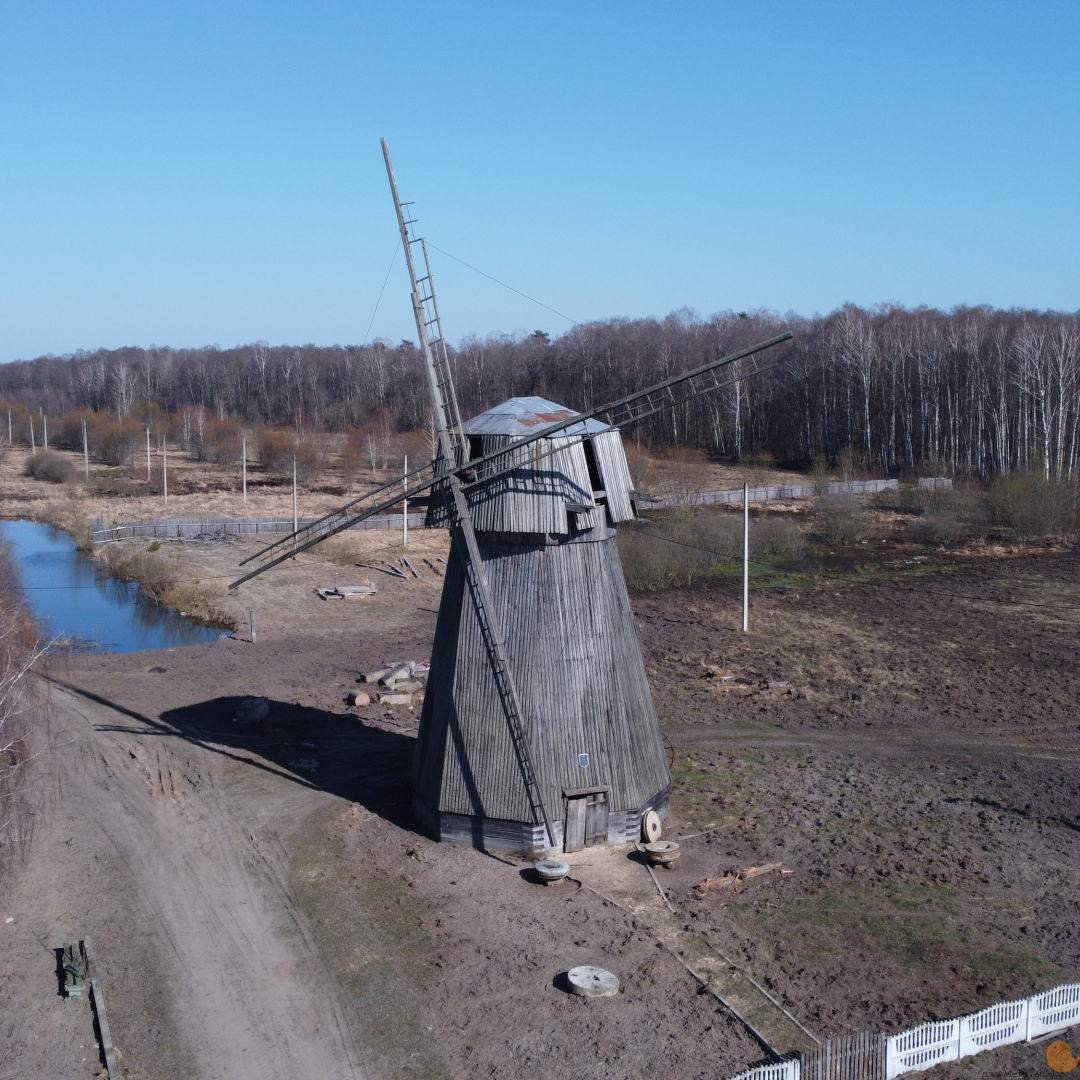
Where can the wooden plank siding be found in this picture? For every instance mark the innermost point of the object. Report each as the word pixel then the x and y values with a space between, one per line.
pixel 571 639
pixel 557 586
pixel 614 475
pixel 493 834
pixel 532 499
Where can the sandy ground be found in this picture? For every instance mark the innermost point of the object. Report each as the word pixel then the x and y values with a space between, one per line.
pixel 904 737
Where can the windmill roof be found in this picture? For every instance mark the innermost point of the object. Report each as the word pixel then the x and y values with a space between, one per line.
pixel 527 415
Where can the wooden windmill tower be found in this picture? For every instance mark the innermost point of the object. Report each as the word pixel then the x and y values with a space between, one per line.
pixel 538 731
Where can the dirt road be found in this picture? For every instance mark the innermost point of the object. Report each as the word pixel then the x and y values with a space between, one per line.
pixel 245 992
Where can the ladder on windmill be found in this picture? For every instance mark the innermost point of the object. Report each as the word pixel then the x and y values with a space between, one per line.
pixel 452 447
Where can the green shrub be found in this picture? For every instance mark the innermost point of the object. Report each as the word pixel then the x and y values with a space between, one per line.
pixel 1032 506
pixel 948 514
pixel 841 519
pixel 45 465
pixel 680 544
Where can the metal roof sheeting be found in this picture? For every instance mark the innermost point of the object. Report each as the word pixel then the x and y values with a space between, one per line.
pixel 526 416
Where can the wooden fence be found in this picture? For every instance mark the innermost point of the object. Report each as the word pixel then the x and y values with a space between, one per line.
pixel 730 496
pixel 190 528
pixel 872 1056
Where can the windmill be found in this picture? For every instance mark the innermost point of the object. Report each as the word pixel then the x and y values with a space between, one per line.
pixel 538 730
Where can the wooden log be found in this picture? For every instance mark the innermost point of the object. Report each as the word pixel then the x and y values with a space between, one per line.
pixel 97 1001
pixel 393 571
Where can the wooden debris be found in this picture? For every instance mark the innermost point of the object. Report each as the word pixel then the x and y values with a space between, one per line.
pixel 97 1001
pixel 74 970
pixel 396 674
pixel 357 697
pixel 434 569
pixel 405 562
pixel 347 592
pixel 388 568
pixel 737 882
pixel 395 699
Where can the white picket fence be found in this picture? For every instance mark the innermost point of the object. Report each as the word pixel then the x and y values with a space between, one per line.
pixel 775 1070
pixel 938 1041
pixel 998 1025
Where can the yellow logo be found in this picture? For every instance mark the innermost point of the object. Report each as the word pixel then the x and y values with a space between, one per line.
pixel 1059 1057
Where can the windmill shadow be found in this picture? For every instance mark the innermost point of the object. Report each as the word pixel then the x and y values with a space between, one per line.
pixel 356 760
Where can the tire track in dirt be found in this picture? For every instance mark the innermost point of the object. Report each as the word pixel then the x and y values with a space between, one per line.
pixel 246 986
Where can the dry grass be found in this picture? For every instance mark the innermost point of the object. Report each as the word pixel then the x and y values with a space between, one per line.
pixel 159 570
pixel 679 545
pixel 21 719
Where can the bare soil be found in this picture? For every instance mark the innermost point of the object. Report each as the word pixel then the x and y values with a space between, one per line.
pixel 905 738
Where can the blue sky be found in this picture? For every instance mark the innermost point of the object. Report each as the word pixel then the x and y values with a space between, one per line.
pixel 210 173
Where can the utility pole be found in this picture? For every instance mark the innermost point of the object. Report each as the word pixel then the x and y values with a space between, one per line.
pixel 243 454
pixel 165 472
pixel 33 447
pixel 745 557
pixel 405 506
pixel 148 453
pixel 295 522
pixel 85 450
pixel 45 425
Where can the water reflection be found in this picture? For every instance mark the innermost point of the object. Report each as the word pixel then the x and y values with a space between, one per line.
pixel 76 600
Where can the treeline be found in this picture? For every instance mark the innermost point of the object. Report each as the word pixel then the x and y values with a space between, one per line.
pixel 974 391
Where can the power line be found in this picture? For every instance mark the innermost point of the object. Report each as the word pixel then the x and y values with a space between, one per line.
pixel 382 290
pixel 532 299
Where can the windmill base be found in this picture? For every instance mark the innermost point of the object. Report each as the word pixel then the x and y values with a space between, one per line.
pixel 519 837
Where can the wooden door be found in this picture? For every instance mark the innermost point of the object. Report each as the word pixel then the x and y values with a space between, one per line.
pixel 596 811
pixel 574 829
pixel 586 820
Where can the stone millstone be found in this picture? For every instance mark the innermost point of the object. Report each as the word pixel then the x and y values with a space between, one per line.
pixel 650 827
pixel 592 981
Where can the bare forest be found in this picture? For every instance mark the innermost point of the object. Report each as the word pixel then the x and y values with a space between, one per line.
pixel 976 391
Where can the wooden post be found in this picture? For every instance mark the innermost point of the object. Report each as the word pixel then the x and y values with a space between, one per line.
pixel 148 454
pixel 405 506
pixel 243 454
pixel 45 426
pixel 745 557
pixel 165 471
pixel 9 427
pixel 85 450
pixel 251 620
pixel 33 448
pixel 295 520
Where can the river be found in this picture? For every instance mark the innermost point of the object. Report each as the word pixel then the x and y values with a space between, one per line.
pixel 74 599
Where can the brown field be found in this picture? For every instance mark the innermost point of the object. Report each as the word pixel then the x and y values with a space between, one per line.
pixel 899 728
